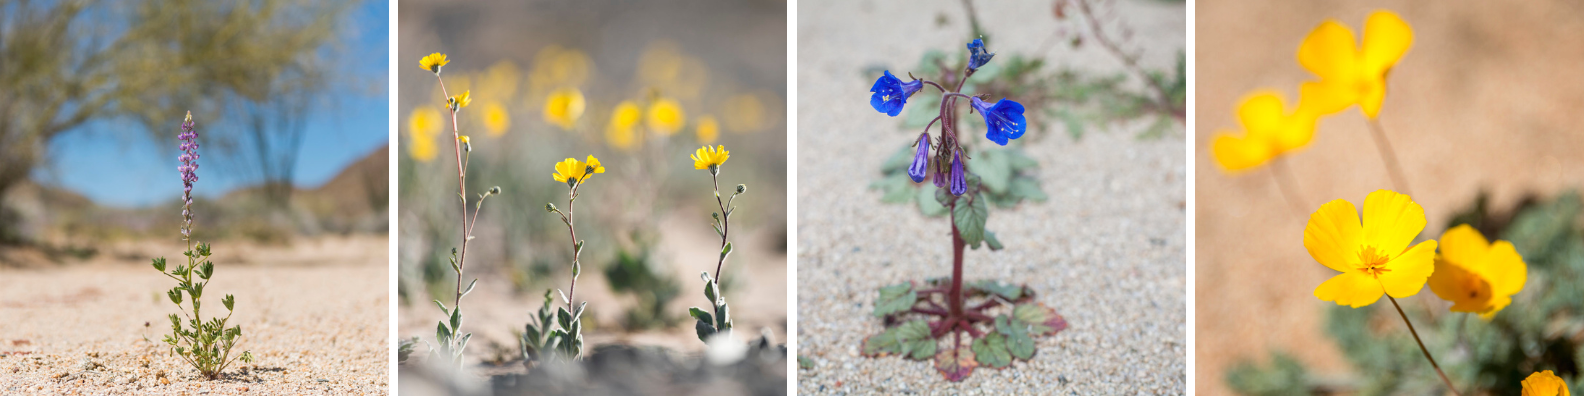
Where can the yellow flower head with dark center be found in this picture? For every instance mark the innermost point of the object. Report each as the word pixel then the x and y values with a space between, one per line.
pixel 708 129
pixel 621 133
pixel 1352 75
pixel 460 101
pixel 573 169
pixel 1269 131
pixel 1374 257
pixel 706 157
pixel 1475 275
pixel 496 119
pixel 433 62
pixel 563 107
pixel 1544 383
pixel 666 116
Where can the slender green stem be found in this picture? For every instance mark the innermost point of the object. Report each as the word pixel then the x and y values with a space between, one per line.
pixel 1422 347
pixel 725 225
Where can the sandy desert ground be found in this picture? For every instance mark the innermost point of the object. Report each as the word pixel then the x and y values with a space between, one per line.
pixel 1107 251
pixel 314 314
pixel 1485 100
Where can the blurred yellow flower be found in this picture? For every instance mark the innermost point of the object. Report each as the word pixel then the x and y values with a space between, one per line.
pixel 495 118
pixel 554 66
pixel 621 132
pixel 576 170
pixel 1269 131
pixel 1475 275
pixel 1374 257
pixel 564 107
pixel 501 80
pixel 433 62
pixel 1352 75
pixel 708 129
pixel 666 116
pixel 744 113
pixel 460 101
pixel 1544 383
pixel 710 157
pixel 422 125
pixel 663 66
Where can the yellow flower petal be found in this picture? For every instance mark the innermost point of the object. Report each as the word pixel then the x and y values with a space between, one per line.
pixel 594 162
pixel 666 116
pixel 1269 131
pixel 433 62
pixel 496 119
pixel 1386 38
pixel 1353 289
pixel 1408 272
pixel 1544 383
pixel 1328 51
pixel 1391 221
pixel 1237 154
pixel 708 156
pixel 1334 236
pixel 564 107
pixel 1476 276
pixel 1505 268
pixel 1467 292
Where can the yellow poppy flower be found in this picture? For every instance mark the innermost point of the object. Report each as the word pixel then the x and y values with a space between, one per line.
pixel 422 125
pixel 460 101
pixel 1352 75
pixel 708 129
pixel 1544 383
pixel 496 119
pixel 572 169
pixel 620 133
pixel 1374 257
pixel 564 107
pixel 1269 131
pixel 708 157
pixel 1475 275
pixel 666 116
pixel 433 62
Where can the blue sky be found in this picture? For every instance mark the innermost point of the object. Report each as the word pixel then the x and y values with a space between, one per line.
pixel 127 169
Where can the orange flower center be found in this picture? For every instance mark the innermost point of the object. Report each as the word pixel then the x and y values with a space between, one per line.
pixel 1478 289
pixel 1373 262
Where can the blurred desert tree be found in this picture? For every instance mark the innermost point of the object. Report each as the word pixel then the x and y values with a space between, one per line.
pixel 64 64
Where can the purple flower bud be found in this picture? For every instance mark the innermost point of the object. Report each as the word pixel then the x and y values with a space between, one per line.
pixel 920 160
pixel 959 182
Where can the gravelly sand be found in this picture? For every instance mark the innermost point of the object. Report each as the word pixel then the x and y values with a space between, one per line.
pixel 315 315
pixel 1107 250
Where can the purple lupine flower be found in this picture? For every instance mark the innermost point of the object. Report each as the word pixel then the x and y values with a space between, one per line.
pixel 959 181
pixel 188 169
pixel 920 160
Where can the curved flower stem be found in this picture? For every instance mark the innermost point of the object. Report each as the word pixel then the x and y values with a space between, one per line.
pixel 1283 177
pixel 456 145
pixel 1422 347
pixel 725 224
pixel 1390 157
pixel 932 83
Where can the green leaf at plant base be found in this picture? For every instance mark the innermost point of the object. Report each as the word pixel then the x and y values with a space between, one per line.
pixel 1008 291
pixel 955 363
pixel 911 340
pixel 991 351
pixel 1017 338
pixel 970 215
pixel 895 299
pixel 1039 319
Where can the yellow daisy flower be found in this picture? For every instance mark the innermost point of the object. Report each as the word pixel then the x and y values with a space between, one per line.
pixel 1544 383
pixel 496 119
pixel 572 169
pixel 666 116
pixel 620 133
pixel 710 157
pixel 708 129
pixel 1374 257
pixel 1269 131
pixel 460 101
pixel 1352 75
pixel 564 107
pixel 1475 275
pixel 433 62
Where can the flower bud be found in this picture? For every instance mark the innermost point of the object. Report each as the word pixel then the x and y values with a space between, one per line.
pixel 742 188
pixel 495 190
pixel 550 207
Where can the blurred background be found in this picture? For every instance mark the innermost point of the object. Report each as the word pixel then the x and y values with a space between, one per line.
pixel 289 99
pixel 291 104
pixel 640 85
pixel 1481 112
